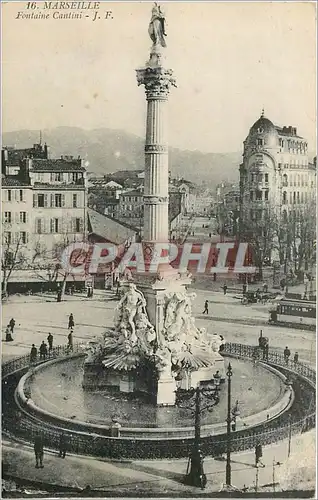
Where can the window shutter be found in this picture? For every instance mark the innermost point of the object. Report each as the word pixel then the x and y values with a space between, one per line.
pixel 70 177
pixel 16 195
pixel 52 177
pixel 35 200
pixel 81 225
pixel 51 225
pixel 27 237
pixel 63 200
pixel 52 200
pixel 17 217
pixel 45 200
pixel 26 217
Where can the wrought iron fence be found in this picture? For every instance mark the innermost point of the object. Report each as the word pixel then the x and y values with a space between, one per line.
pixel 19 424
pixel 272 357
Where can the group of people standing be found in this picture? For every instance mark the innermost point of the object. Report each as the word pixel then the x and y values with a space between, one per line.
pixel 287 354
pixel 39 449
pixel 9 330
pixel 46 349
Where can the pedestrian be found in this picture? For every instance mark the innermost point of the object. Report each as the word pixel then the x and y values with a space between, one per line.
pixel 33 354
pixel 8 334
pixel 70 341
pixel 286 354
pixel 71 323
pixel 59 295
pixel 265 287
pixel 50 341
pixel 12 324
pixel 62 445
pixel 38 450
pixel 206 307
pixel 43 351
pixel 258 455
pixel 224 288
pixel 296 357
pixel 244 288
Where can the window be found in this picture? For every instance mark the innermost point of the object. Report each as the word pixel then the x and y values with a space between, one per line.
pixel 74 200
pixel 266 195
pixel 7 237
pixel 75 176
pixel 302 197
pixel 58 200
pixel 39 226
pixel 260 142
pixel 136 198
pixel 266 177
pixel 260 177
pixel 7 217
pixel 294 197
pixel 56 176
pixel 21 194
pixel 258 195
pixel 298 200
pixel 23 217
pixel 77 225
pixel 251 195
pixel 23 237
pixel 285 180
pixel 41 200
pixel 9 195
pixel 55 225
pixel 284 197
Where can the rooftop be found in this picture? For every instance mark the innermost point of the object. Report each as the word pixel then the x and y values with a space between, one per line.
pixel 108 228
pixel 13 181
pixel 57 165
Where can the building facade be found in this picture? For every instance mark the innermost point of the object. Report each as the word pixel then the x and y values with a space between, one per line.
pixel 275 172
pixel 44 208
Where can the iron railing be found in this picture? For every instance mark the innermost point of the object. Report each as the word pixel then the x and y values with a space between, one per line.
pixel 18 424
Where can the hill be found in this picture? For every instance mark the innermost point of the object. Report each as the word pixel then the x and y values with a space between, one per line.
pixel 110 150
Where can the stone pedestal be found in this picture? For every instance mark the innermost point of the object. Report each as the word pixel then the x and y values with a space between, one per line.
pixel 166 395
pixel 202 375
pixel 127 384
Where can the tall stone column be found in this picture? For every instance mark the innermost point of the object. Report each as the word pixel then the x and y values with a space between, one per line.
pixel 157 82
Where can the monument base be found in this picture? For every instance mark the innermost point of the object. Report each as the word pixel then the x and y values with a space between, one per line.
pixel 166 395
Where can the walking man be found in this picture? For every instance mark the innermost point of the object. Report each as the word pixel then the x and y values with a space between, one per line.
pixel 62 446
pixel 38 450
pixel 43 351
pixel 33 354
pixel 296 357
pixel 50 342
pixel 286 354
pixel 12 325
pixel 258 455
pixel 71 321
pixel 206 307
pixel 224 288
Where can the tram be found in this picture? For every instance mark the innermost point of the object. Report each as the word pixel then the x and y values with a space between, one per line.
pixel 293 312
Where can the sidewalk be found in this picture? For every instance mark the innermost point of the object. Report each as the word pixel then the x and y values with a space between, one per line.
pixel 162 476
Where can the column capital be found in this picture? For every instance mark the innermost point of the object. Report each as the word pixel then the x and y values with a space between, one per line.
pixel 155 200
pixel 157 81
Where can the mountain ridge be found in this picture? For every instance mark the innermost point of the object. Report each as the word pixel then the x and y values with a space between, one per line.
pixel 109 150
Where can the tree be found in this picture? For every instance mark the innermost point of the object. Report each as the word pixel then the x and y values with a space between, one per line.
pixel 258 228
pixel 13 257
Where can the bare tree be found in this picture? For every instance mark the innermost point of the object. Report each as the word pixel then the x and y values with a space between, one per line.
pixel 13 257
pixel 258 229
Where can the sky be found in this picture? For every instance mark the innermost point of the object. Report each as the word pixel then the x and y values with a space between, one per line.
pixel 230 60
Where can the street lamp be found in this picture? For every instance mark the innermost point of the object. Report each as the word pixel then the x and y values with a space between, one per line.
pixel 196 476
pixel 232 415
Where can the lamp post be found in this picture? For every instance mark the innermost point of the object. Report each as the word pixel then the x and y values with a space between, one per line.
pixel 232 415
pixel 195 476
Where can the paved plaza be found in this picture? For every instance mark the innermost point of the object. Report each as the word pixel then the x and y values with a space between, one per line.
pixel 36 316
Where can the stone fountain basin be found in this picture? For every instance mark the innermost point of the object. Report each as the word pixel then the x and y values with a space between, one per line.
pixel 55 394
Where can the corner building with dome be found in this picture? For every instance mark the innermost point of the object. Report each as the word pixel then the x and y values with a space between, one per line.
pixel 275 171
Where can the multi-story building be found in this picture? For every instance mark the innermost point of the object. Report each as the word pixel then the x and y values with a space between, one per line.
pixel 44 208
pixel 275 171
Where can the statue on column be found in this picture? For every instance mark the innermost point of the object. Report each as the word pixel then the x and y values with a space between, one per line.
pixel 156 28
